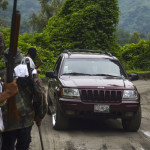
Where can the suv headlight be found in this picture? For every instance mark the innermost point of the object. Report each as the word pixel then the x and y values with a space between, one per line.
pixel 70 93
pixel 130 95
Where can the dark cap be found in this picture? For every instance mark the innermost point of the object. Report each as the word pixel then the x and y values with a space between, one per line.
pixel 2 42
pixel 32 52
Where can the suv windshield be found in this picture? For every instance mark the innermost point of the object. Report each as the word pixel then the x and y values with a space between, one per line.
pixel 93 67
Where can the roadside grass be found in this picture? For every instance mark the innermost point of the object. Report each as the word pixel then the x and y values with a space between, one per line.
pixel 137 71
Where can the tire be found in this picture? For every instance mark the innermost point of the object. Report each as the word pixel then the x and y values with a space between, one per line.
pixel 132 124
pixel 59 120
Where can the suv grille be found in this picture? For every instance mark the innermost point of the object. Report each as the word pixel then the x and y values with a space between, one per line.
pixel 100 96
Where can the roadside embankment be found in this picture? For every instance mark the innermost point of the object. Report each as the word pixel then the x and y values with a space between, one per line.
pixel 144 75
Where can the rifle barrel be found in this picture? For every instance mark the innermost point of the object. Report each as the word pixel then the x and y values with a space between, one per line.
pixel 15 24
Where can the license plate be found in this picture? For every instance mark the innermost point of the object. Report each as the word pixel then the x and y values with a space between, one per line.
pixel 101 108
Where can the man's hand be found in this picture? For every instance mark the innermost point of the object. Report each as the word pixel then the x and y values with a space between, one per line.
pixel 11 88
pixel 38 70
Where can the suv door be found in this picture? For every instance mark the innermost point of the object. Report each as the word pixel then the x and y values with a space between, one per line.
pixel 53 82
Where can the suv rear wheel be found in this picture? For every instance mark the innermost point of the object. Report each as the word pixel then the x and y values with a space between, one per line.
pixel 59 120
pixel 132 124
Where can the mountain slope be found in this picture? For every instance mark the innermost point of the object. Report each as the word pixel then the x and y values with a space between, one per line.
pixel 134 15
pixel 26 7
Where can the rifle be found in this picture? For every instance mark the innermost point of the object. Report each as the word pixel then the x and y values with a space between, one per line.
pixel 15 24
pixel 39 64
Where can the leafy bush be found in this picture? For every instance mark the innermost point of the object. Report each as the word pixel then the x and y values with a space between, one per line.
pixel 137 56
pixel 30 40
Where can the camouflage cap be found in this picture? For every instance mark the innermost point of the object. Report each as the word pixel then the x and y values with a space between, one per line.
pixel 2 42
pixel 18 56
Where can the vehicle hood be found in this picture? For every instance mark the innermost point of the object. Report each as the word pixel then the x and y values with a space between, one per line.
pixel 95 82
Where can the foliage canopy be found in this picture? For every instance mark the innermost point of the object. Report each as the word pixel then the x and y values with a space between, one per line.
pixel 83 24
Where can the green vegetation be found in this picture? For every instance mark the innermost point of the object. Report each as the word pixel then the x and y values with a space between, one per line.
pixel 134 14
pixel 3 4
pixel 137 56
pixel 38 22
pixel 82 24
pixel 31 40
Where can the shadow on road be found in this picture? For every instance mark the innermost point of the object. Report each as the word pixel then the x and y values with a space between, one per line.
pixel 95 125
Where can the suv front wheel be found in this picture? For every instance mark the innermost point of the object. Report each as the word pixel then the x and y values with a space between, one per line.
pixel 59 120
pixel 132 124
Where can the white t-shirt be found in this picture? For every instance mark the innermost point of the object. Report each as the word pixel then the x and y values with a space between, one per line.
pixel 22 70
pixel 32 65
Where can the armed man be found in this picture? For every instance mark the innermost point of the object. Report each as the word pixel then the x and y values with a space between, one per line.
pixel 20 129
pixel 29 105
pixel 7 90
pixel 17 128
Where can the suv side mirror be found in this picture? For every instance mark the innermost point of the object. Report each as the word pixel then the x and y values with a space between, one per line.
pixel 50 74
pixel 133 76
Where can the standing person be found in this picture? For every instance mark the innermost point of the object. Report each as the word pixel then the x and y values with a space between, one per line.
pixel 32 52
pixel 19 131
pixel 10 89
pixel 31 55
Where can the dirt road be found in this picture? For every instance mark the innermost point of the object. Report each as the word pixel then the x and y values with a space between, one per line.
pixel 93 135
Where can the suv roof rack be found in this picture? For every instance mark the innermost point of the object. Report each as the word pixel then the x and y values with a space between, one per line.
pixel 89 51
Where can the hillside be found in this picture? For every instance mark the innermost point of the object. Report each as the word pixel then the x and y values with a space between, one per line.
pixel 134 15
pixel 26 7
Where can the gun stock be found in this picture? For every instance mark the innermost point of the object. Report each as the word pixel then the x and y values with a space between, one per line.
pixel 39 64
pixel 15 24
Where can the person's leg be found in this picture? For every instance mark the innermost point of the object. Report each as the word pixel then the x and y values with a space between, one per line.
pixel 23 138
pixel 8 139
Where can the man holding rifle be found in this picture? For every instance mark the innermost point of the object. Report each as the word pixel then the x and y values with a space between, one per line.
pixel 9 90
pixel 18 112
pixel 20 129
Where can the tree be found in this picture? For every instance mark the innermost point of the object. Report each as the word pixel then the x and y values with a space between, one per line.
pixel 135 37
pixel 122 36
pixel 83 24
pixel 143 36
pixel 136 56
pixel 3 4
pixel 49 8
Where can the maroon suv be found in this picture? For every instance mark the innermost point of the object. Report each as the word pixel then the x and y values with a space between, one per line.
pixel 92 84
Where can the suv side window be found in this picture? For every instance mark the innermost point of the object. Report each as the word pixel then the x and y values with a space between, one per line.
pixel 57 65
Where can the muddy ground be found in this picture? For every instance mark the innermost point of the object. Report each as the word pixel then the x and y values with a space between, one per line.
pixel 94 135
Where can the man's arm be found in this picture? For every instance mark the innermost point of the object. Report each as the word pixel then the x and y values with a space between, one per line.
pixel 11 89
pixel 39 100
